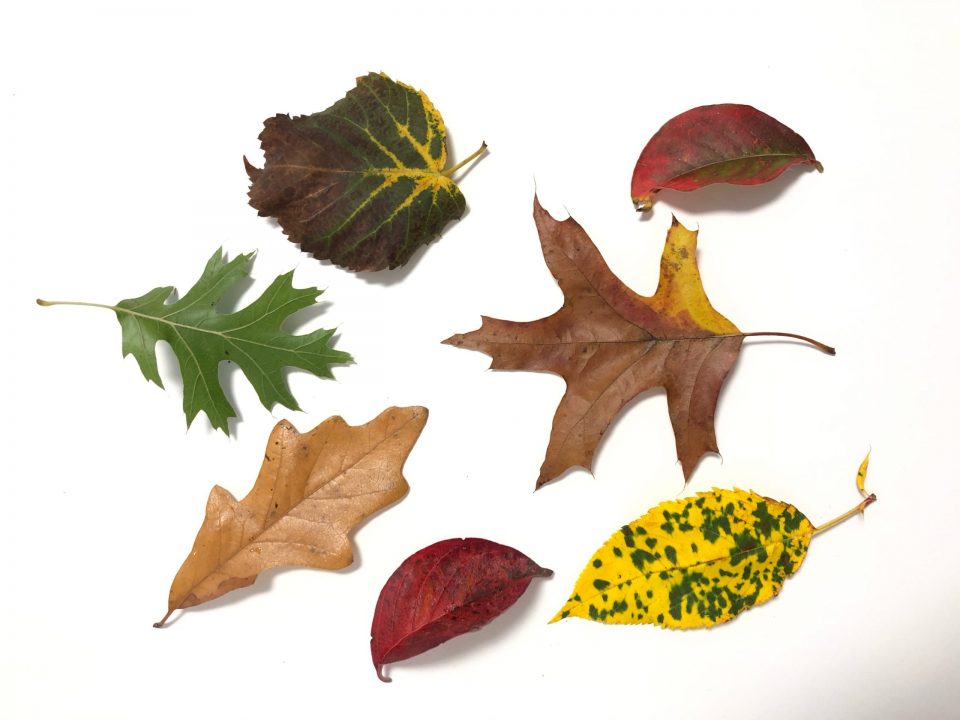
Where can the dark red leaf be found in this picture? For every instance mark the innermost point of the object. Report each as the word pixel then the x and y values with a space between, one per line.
pixel 449 588
pixel 716 143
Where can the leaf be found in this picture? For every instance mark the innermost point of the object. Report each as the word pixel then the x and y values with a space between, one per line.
pixel 862 475
pixel 202 338
pixel 362 183
pixel 728 143
pixel 610 344
pixel 696 562
pixel 312 490
pixel 444 590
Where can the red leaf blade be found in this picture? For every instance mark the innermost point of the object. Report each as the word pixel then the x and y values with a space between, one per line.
pixel 445 590
pixel 726 143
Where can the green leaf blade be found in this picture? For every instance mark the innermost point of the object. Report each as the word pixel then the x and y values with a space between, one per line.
pixel 202 338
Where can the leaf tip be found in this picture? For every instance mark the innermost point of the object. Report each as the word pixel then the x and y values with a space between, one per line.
pixel 818 165
pixel 643 203
pixel 383 678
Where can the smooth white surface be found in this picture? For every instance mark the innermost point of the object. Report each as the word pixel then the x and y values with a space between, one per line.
pixel 124 127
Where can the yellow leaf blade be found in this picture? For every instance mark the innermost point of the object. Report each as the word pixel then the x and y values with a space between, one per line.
pixel 695 562
pixel 862 476
pixel 680 296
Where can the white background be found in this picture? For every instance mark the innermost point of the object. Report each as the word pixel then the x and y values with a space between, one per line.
pixel 124 125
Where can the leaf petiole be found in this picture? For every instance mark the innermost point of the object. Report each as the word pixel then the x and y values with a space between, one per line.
pixel 48 303
pixel 871 498
pixel 816 343
pixel 867 499
pixel 450 171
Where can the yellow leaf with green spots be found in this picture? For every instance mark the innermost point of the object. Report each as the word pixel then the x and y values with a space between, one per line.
pixel 363 183
pixel 696 562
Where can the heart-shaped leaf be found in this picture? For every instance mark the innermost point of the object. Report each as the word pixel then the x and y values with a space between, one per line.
pixel 363 183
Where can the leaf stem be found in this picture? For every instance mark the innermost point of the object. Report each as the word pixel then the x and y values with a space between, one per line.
pixel 48 303
pixel 816 343
pixel 871 498
pixel 450 171
pixel 164 618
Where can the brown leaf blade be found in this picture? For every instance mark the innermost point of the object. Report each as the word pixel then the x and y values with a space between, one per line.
pixel 445 590
pixel 727 143
pixel 312 490
pixel 610 344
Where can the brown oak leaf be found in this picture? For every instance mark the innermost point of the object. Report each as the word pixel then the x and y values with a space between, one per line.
pixel 610 344
pixel 312 490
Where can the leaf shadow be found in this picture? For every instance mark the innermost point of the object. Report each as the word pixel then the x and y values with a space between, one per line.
pixel 488 635
pixel 293 323
pixel 230 300
pixel 388 278
pixel 227 374
pixel 263 584
pixel 726 197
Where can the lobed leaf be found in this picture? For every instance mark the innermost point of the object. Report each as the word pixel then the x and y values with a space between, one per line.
pixel 202 338
pixel 610 344
pixel 444 590
pixel 312 490
pixel 727 143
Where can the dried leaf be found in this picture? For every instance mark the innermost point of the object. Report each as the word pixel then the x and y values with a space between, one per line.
pixel 202 338
pixel 696 562
pixel 363 183
pixel 728 143
pixel 312 490
pixel 444 590
pixel 610 344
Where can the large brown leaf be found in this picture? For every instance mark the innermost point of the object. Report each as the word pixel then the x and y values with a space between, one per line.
pixel 610 344
pixel 313 488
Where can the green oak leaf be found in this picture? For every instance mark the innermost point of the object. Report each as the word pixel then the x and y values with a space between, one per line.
pixel 202 338
pixel 362 183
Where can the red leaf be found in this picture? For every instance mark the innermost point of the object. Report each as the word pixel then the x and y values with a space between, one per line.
pixel 716 143
pixel 449 588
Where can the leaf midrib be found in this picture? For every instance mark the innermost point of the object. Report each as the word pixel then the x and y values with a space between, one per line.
pixel 763 156
pixel 225 335
pixel 728 558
